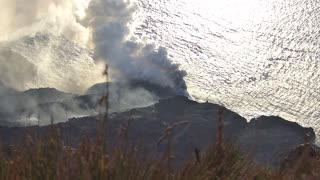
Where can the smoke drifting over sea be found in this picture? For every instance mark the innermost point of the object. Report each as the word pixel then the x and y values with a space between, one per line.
pixel 64 44
pixel 99 24
pixel 43 45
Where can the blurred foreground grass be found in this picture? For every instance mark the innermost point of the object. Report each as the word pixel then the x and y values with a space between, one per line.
pixel 48 158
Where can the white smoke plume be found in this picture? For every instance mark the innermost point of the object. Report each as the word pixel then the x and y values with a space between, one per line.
pixel 39 47
pixel 129 59
pixel 103 23
pixel 35 46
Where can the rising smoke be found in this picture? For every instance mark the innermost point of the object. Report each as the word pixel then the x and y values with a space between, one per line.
pixel 103 23
pixel 36 48
pixel 129 59
pixel 47 28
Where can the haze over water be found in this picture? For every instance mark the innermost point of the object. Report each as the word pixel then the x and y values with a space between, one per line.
pixel 255 57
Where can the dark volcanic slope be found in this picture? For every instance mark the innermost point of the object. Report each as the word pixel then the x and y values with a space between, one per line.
pixel 156 90
pixel 24 108
pixel 267 137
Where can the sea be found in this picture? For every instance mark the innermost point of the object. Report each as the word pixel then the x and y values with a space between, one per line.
pixel 255 57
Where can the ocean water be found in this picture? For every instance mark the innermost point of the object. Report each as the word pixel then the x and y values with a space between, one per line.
pixel 255 57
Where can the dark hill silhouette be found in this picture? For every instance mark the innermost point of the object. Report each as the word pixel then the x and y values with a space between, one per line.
pixel 269 139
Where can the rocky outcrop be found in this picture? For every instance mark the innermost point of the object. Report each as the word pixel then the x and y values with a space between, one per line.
pixel 302 162
pixel 191 125
pixel 299 156
pixel 271 138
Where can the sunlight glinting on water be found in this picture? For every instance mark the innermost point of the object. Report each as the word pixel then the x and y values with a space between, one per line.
pixel 255 57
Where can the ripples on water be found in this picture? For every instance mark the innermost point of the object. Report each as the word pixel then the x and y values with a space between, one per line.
pixel 253 56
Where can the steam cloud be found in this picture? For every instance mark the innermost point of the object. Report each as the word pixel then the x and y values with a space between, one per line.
pixel 41 30
pixel 35 46
pixel 129 59
pixel 101 23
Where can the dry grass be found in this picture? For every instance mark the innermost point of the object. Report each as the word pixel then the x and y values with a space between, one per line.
pixel 48 158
